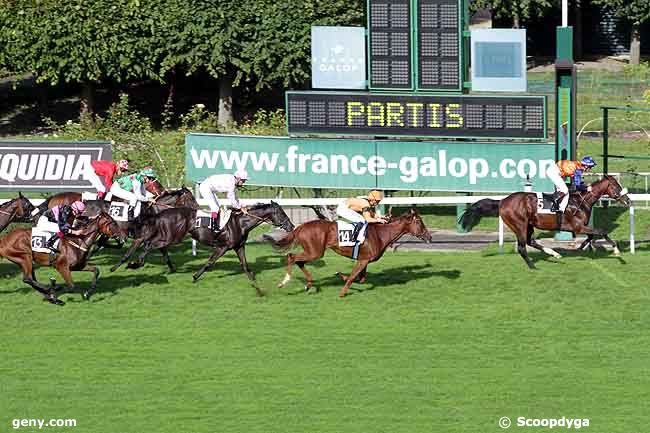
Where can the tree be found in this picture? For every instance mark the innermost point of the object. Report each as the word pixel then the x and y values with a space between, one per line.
pixel 79 41
pixel 518 10
pixel 637 12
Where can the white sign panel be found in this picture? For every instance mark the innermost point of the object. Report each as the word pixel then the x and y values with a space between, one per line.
pixel 338 57
pixel 499 60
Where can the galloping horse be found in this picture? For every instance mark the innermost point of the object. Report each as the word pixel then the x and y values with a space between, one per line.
pixel 17 248
pixel 235 233
pixel 316 236
pixel 163 229
pixel 519 213
pixel 18 209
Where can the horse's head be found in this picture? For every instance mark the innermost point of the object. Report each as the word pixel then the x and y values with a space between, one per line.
pixel 273 214
pixel 415 225
pixel 154 187
pixel 616 191
pixel 108 227
pixel 24 207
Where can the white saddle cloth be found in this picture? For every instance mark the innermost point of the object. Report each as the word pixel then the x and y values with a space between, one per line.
pixel 344 233
pixel 40 238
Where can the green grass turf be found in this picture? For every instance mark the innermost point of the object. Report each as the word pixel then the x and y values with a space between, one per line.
pixel 433 342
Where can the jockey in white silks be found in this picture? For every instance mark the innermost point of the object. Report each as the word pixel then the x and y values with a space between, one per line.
pixel 227 183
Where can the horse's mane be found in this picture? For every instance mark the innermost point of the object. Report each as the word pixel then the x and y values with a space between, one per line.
pixel 257 206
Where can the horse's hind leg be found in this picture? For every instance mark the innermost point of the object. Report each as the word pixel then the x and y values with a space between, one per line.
pixel 30 278
pixel 287 277
pixel 306 256
pixel 218 252
pixel 521 248
pixel 533 243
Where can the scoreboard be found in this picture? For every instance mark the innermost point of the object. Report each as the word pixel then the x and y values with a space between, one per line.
pixel 415 115
pixel 415 44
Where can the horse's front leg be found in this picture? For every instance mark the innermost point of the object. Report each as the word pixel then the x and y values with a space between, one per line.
pixel 360 266
pixel 241 253
pixel 600 233
pixel 218 252
pixel 134 246
pixel 93 284
pixel 140 262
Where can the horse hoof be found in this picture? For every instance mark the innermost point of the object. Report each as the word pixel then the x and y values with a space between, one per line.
pixel 172 270
pixel 113 268
pixel 55 301
pixel 86 295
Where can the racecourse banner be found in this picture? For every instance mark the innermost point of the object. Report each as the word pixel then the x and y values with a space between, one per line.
pixel 385 164
pixel 48 165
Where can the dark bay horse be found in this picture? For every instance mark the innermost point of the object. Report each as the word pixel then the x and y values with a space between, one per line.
pixel 235 233
pixel 163 228
pixel 316 236
pixel 74 251
pixel 519 213
pixel 18 209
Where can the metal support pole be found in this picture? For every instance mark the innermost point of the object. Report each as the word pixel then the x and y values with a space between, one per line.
pixel 605 139
pixel 632 249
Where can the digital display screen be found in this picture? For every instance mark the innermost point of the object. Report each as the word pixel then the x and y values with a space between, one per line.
pixel 389 44
pixel 363 113
pixel 439 45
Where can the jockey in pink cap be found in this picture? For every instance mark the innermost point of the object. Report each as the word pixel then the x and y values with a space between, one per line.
pixel 59 220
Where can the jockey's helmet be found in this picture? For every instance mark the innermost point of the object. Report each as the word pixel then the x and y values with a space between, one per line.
pixel 588 161
pixel 241 174
pixel 78 207
pixel 149 173
pixel 375 195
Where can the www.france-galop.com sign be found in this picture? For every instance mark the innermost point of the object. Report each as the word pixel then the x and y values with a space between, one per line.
pixel 383 164
pixel 48 165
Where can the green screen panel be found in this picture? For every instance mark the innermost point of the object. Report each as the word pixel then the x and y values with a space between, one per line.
pixel 439 45
pixel 389 44
pixel 363 113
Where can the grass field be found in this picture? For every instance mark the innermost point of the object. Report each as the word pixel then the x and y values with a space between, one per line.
pixel 433 342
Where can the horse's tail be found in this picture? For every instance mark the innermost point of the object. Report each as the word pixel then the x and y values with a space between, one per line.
pixel 472 216
pixel 281 241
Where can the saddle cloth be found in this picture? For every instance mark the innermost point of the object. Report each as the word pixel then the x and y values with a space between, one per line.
pixel 39 240
pixel 119 211
pixel 203 219
pixel 544 202
pixel 344 233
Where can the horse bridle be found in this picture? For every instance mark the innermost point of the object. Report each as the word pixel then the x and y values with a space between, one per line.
pixel 283 225
pixel 9 203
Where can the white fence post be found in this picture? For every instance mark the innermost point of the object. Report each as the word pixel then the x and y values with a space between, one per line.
pixel 632 246
pixel 500 235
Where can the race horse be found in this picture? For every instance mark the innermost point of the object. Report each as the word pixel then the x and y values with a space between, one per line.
pixel 18 209
pixel 73 254
pixel 316 236
pixel 519 212
pixel 235 233
pixel 161 229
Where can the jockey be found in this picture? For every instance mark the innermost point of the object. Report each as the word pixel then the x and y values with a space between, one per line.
pixel 227 183
pixel 57 220
pixel 566 168
pixel 107 170
pixel 361 211
pixel 132 188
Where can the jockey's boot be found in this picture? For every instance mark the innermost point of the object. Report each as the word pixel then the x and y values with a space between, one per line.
pixel 214 223
pixel 355 232
pixel 50 243
pixel 560 216
pixel 557 198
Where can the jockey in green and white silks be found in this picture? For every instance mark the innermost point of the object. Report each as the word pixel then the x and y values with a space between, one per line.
pixel 132 188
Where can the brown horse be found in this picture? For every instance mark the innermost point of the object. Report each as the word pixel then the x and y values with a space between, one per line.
pixel 16 210
pixel 74 250
pixel 519 213
pixel 316 236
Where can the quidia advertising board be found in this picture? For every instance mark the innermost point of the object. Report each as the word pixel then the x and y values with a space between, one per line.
pixel 48 165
